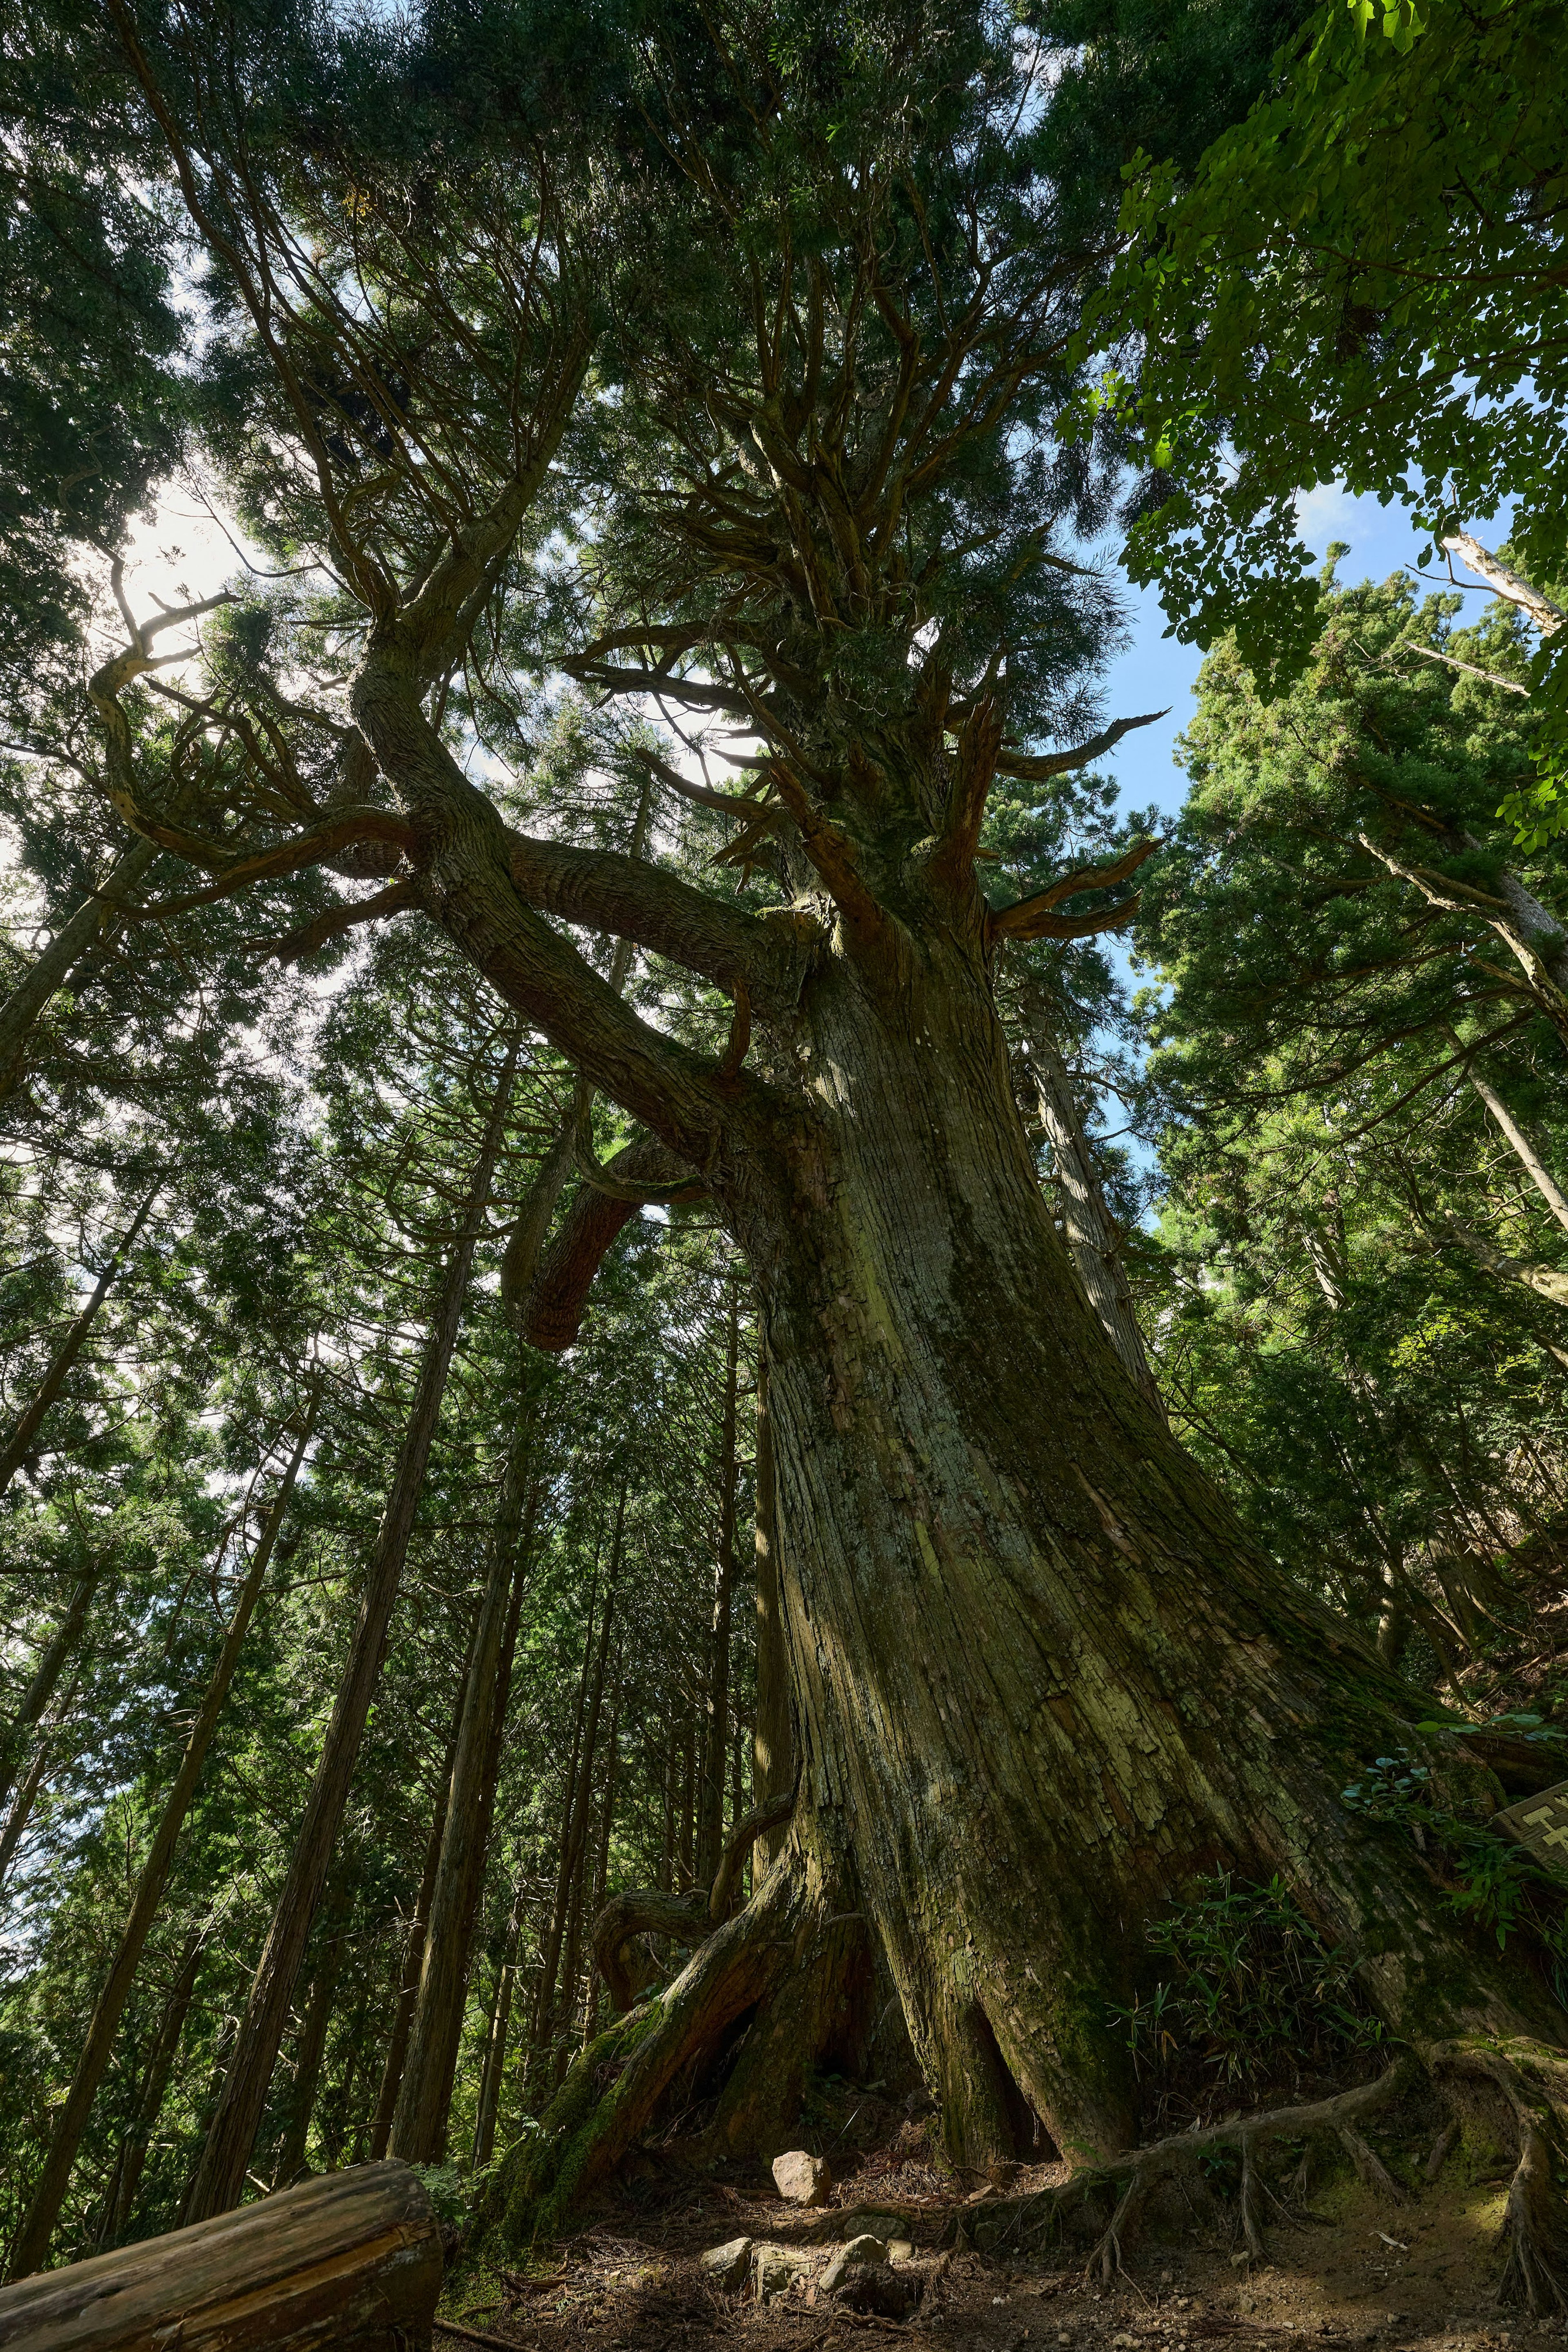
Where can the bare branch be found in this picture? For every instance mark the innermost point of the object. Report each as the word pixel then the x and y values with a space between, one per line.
pixel 1547 616
pixel 345 915
pixel 1062 763
pixel 1033 919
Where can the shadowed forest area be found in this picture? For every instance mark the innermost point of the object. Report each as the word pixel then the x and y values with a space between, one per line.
pixel 783 1511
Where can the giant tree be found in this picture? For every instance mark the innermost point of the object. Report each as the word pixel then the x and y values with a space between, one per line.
pixel 1042 1674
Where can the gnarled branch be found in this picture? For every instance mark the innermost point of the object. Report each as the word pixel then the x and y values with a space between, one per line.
pixel 631 900
pixel 551 1312
pixel 1038 769
pixel 1035 918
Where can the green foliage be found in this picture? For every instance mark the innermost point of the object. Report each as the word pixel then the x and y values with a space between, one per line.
pixel 1360 282
pixel 1494 1882
pixel 1249 1992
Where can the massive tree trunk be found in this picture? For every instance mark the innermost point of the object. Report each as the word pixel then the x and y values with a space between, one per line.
pixel 1035 1649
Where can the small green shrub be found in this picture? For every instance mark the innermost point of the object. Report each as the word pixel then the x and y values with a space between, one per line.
pixel 1500 1886
pixel 1251 1994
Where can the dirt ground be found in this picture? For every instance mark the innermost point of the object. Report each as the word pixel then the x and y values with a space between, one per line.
pixel 1364 2269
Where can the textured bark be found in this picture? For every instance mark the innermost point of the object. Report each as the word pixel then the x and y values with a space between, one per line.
pixel 354 2260
pixel 19 1444
pixel 1093 1240
pixel 773 1739
pixel 55 967
pixel 1150 1697
pixel 715 1726
pixel 219 2178
pixel 796 1937
pixel 32 2244
pixel 419 2132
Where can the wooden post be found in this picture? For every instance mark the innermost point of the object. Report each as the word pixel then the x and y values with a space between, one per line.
pixel 351 2260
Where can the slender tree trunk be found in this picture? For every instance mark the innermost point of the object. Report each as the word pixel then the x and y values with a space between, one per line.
pixel 414 1952
pixel 495 2045
pixel 1524 1152
pixel 19 1444
pixel 716 1743
pixel 21 1811
pixel 61 1647
pixel 571 1963
pixel 554 1926
pixel 1094 1239
pixel 685 1846
pixel 773 1745
pixel 601 1855
pixel 667 1846
pixel 72 943
pixel 312 2047
pixel 419 2132
pixel 154 2090
pixel 32 2244
pixel 574 1860
pixel 221 2179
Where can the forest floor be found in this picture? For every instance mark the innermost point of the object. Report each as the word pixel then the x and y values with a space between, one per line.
pixel 1364 2271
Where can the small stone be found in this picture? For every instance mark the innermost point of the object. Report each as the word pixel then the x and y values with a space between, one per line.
pixel 726 2265
pixel 775 2269
pixel 860 2250
pixel 900 2250
pixel 803 2179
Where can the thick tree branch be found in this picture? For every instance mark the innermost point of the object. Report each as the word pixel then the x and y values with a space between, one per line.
pixel 633 900
pixel 463 855
pixel 1547 616
pixel 1041 769
pixel 1034 917
pixel 311 937
pixel 551 1310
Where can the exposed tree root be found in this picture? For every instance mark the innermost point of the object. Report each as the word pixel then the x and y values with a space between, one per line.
pixel 789 1975
pixel 618 1956
pixel 1533 2081
pixel 614 2087
pixel 1370 2168
pixel 1131 2177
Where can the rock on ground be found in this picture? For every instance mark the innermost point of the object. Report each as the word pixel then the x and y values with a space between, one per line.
pixel 727 2265
pixel 803 2179
pixel 860 2252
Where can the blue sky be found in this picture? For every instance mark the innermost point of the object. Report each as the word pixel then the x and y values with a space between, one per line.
pixel 1156 671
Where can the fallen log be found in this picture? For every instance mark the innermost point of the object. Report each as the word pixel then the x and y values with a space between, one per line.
pixel 353 2258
